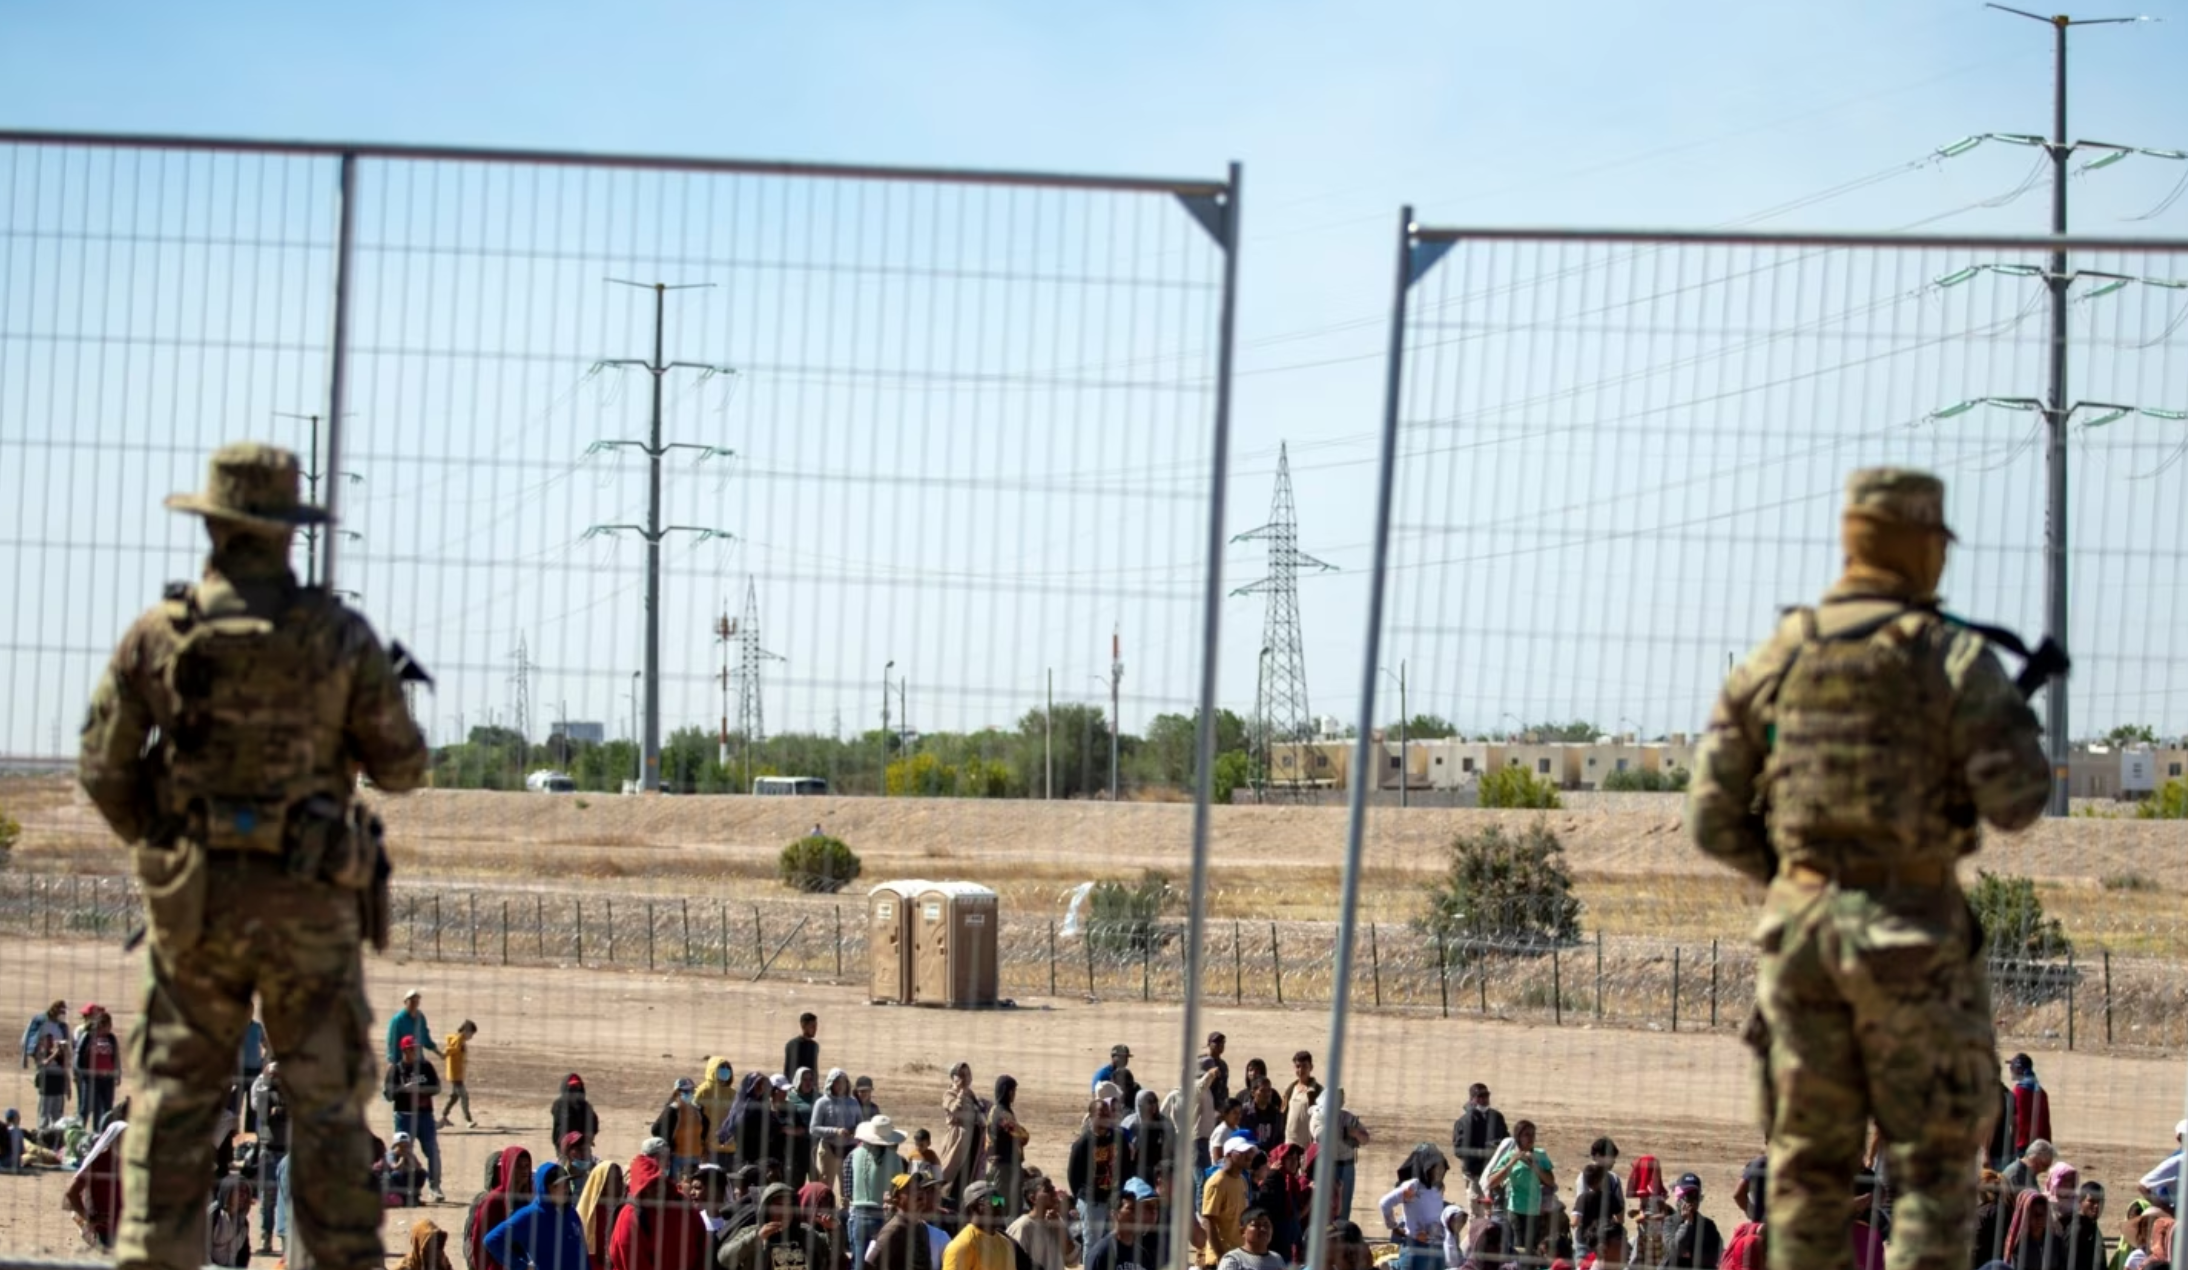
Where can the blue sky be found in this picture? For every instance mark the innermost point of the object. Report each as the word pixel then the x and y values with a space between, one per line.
pixel 1581 113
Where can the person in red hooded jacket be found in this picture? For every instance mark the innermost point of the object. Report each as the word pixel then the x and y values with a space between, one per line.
pixel 508 1188
pixel 658 1228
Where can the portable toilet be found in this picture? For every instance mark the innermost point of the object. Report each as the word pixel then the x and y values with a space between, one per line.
pixel 955 946
pixel 889 940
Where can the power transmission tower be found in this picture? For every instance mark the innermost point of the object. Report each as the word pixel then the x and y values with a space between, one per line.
pixel 653 531
pixel 749 657
pixel 2056 410
pixel 521 682
pixel 1280 700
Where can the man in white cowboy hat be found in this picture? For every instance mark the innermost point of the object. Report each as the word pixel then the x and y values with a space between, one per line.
pixel 223 744
pixel 873 1164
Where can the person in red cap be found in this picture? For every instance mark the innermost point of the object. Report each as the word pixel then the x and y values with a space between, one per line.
pixel 410 1085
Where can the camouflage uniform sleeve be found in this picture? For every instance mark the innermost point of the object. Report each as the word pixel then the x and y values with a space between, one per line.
pixel 381 735
pixel 1722 811
pixel 111 761
pixel 1996 740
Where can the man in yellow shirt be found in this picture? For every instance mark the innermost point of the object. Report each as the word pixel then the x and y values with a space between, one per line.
pixel 981 1245
pixel 454 1050
pixel 1223 1199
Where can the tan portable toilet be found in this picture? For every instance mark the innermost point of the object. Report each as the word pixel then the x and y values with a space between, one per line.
pixel 889 941
pixel 955 946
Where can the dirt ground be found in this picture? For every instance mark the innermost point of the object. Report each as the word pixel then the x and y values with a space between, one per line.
pixel 631 1034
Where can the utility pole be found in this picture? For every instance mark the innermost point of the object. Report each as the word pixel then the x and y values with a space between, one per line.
pixel 521 681
pixel 1405 772
pixel 724 631
pixel 1048 742
pixel 653 531
pixel 885 669
pixel 312 476
pixel 640 773
pixel 751 721
pixel 1116 724
pixel 2057 412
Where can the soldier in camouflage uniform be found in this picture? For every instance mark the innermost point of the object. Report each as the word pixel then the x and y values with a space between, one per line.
pixel 1847 765
pixel 224 744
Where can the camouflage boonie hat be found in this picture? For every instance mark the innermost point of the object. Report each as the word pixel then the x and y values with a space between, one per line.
pixel 1898 496
pixel 252 485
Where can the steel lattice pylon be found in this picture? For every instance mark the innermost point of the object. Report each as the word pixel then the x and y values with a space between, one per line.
pixel 750 720
pixel 1280 701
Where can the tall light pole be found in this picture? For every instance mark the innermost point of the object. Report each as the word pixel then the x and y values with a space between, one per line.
pixel 1116 721
pixel 640 774
pixel 1048 742
pixel 2055 418
pixel 885 669
pixel 1405 773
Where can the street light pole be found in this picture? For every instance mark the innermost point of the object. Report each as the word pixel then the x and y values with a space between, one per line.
pixel 636 676
pixel 1048 742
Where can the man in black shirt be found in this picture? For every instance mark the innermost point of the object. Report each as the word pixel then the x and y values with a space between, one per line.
pixel 1475 1135
pixel 802 1050
pixel 411 1084
pixel 1120 1249
pixel 901 1243
pixel 780 1240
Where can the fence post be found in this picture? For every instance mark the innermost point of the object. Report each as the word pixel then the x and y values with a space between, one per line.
pixel 1557 988
pixel 505 932
pixel 1147 956
pixel 581 930
pixel 759 939
pixel 649 934
pixel 1052 956
pixel 1481 981
pixel 2070 1000
pixel 839 941
pixel 413 923
pixel 471 901
pixel 1087 937
pixel 611 932
pixel 539 924
pixel 722 911
pixel 1238 971
pixel 2108 998
pixel 685 904
pixel 1276 954
pixel 1675 990
pixel 1599 972
pixel 1443 975
pixel 1375 965
pixel 1713 985
pixel 436 925
pixel 45 904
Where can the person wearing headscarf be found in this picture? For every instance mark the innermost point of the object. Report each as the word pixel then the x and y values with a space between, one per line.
pixel 759 1130
pixel 1149 1136
pixel 717 1096
pixel 2031 1105
pixel 2028 1235
pixel 834 1127
pixel 508 1187
pixel 228 1223
pixel 1285 1194
pixel 1007 1140
pixel 597 1205
pixel 572 1112
pixel 428 1248
pixel 1413 1211
pixel 94 1194
pixel 1652 1217
pixel 2060 1181
pixel 545 1234
pixel 1486 1252
pixel 1992 1212
pixel 658 1228
pixel 964 1135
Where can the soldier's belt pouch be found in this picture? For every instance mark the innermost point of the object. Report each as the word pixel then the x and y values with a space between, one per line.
pixel 354 855
pixel 173 881
pixel 254 827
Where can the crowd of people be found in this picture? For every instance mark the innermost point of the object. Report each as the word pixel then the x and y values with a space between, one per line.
pixel 803 1170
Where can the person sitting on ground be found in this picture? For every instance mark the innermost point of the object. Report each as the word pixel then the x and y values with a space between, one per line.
pixel 428 1248
pixel 228 1223
pixel 402 1175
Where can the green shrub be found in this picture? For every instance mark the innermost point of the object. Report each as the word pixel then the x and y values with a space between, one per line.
pixel 2014 925
pixel 10 831
pixel 1233 770
pixel 1123 917
pixel 819 864
pixel 1517 787
pixel 2128 882
pixel 1505 890
pixel 1637 781
pixel 2170 802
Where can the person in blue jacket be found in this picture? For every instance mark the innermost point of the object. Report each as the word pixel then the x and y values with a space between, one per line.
pixel 546 1233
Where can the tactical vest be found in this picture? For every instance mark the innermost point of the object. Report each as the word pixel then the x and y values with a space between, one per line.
pixel 1860 728
pixel 258 706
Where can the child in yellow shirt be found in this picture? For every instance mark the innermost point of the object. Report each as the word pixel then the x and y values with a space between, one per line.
pixel 454 1049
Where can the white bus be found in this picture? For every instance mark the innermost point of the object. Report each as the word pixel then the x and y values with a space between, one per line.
pixel 807 785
